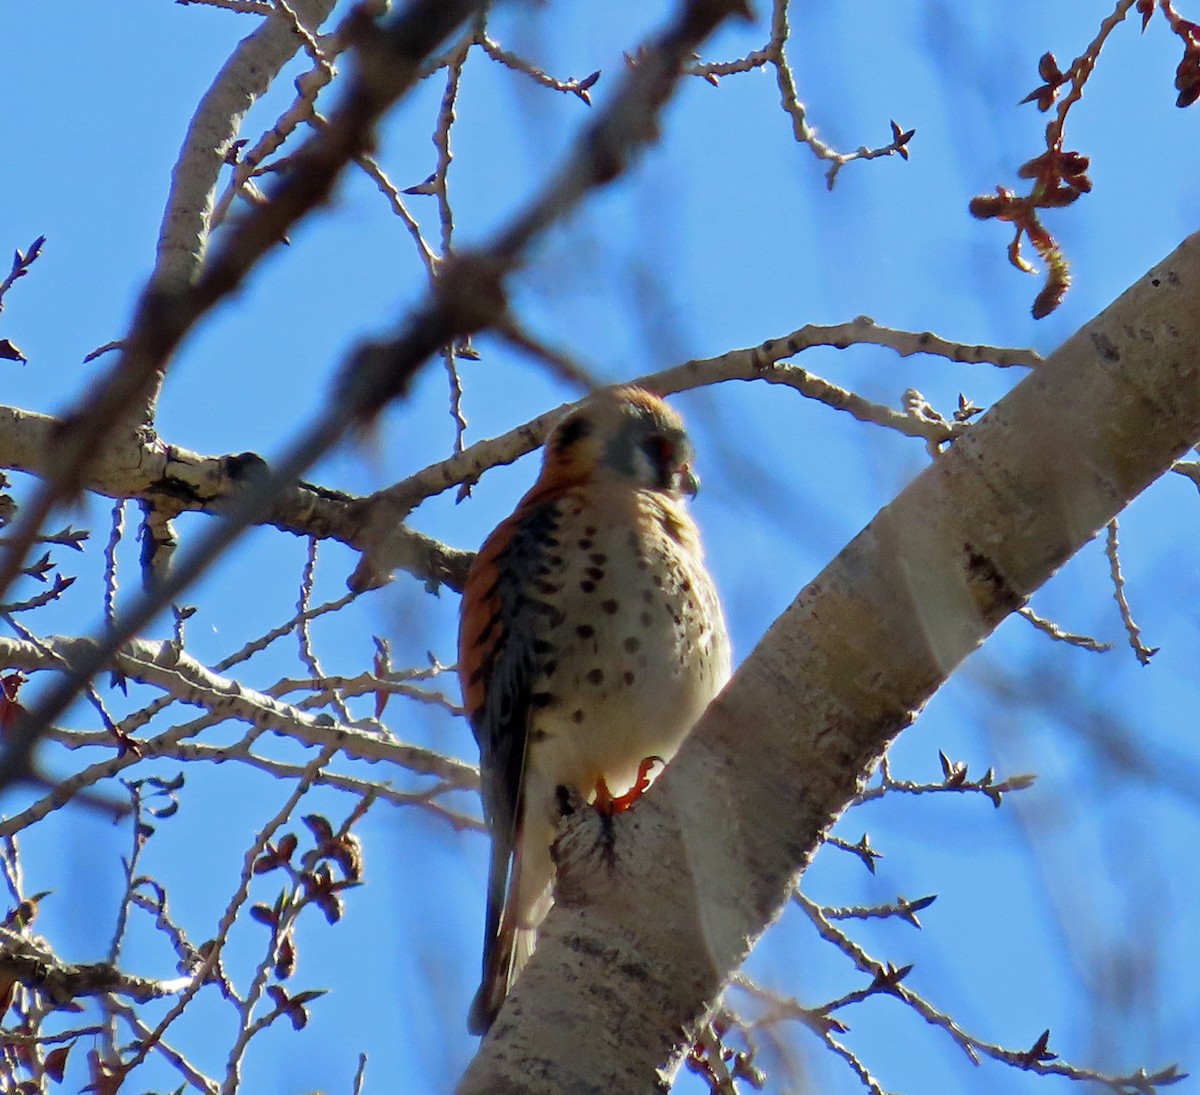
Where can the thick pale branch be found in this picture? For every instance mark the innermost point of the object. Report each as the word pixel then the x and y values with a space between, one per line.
pixel 653 917
pixel 243 79
pixel 176 480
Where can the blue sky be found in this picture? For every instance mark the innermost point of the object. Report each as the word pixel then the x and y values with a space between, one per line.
pixel 722 236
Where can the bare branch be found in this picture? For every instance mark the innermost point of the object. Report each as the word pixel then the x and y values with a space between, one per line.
pixel 64 982
pixel 230 916
pixel 170 307
pixel 1111 549
pixel 1049 627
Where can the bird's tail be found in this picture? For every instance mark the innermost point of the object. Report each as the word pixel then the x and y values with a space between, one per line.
pixel 510 931
pixel 505 955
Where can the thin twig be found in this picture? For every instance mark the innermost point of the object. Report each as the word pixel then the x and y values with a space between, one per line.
pixel 110 561
pixel 304 636
pixel 1112 551
pixel 1049 627
pixel 232 909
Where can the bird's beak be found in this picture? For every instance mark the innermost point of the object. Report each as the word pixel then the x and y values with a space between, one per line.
pixel 689 481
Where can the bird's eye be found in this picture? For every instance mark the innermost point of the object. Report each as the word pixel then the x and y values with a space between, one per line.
pixel 661 450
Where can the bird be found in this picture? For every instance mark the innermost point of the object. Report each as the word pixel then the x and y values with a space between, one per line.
pixel 591 639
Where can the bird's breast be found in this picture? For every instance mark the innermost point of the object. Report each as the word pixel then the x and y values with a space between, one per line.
pixel 630 646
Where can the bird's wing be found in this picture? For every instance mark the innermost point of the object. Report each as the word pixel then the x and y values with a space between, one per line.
pixel 501 621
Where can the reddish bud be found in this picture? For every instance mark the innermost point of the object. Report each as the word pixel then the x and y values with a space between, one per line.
pixel 56 1062
pixel 1048 69
pixel 985 206
pixel 285 958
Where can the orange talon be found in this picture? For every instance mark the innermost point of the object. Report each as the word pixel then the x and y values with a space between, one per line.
pixel 604 801
pixel 608 803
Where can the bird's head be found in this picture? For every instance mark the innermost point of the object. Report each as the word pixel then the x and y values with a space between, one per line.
pixel 622 434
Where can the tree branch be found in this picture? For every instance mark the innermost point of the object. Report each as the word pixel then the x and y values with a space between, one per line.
pixel 657 907
pixel 389 59
pixel 63 982
pixel 163 665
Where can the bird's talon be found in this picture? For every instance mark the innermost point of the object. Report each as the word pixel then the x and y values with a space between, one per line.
pixel 608 803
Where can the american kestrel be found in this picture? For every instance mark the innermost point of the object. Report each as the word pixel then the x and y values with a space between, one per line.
pixel 591 639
